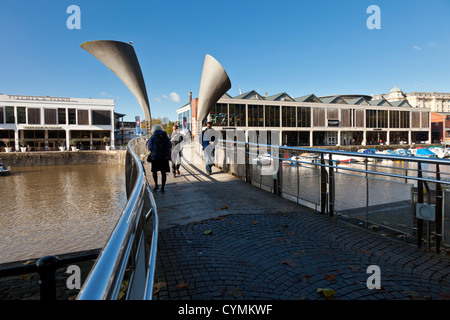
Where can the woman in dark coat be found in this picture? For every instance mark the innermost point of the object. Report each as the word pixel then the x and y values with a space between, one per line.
pixel 159 145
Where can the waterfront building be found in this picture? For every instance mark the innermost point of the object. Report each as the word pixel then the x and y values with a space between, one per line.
pixel 45 123
pixel 321 121
pixel 435 101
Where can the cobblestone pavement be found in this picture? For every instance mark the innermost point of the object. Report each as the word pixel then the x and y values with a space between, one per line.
pixel 222 238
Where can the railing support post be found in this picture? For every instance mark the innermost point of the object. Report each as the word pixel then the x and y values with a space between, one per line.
pixel 331 188
pixel 47 272
pixel 419 200
pixel 438 211
pixel 323 186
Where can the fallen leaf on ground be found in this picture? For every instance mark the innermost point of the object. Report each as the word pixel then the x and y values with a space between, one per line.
pixel 413 295
pixel 28 262
pixel 236 292
pixel 182 285
pixel 354 268
pixel 207 232
pixel 330 277
pixel 290 262
pixel 158 286
pixel 326 292
pixel 222 208
pixel 254 222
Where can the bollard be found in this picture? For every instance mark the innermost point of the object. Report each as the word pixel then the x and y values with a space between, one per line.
pixel 47 272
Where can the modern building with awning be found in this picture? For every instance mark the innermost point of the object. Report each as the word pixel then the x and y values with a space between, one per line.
pixel 46 123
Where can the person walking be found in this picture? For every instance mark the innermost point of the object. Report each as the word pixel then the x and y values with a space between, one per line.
pixel 159 146
pixel 176 137
pixel 208 138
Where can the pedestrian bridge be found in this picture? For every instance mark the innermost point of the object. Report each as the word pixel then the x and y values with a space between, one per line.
pixel 236 234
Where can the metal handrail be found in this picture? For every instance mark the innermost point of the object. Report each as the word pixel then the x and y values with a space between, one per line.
pixel 348 153
pixel 106 276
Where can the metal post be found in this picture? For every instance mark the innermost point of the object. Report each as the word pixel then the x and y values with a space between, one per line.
pixel 367 195
pixel 419 200
pixel 46 267
pixel 331 188
pixel 438 211
pixel 323 186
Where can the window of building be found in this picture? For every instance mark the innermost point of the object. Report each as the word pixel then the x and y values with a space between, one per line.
pixel 318 117
pixel 371 118
pixel 101 117
pixel 62 116
pixel 72 116
pixel 2 120
pixel 219 115
pixel 21 115
pixel 404 119
pixel 50 116
pixel 382 118
pixel 34 116
pixel 83 117
pixel 303 117
pixel 425 119
pixel 237 115
pixel 272 116
pixel 289 116
pixel 255 116
pixel 9 113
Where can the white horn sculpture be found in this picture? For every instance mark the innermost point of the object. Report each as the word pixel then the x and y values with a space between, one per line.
pixel 121 59
pixel 213 85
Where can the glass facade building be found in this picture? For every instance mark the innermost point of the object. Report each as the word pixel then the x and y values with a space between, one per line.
pixel 308 121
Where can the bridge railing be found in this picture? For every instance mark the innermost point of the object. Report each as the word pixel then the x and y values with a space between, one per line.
pixel 376 191
pixel 126 265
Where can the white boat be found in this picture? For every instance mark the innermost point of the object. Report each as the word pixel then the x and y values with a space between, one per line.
pixel 338 158
pixel 440 152
pixel 403 152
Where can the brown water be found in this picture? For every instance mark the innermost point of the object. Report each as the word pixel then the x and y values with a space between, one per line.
pixel 58 209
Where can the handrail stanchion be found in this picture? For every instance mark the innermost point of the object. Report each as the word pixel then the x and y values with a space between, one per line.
pixel 323 185
pixel 438 211
pixel 419 200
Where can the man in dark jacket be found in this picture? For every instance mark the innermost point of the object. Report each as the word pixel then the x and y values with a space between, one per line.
pixel 159 145
pixel 208 138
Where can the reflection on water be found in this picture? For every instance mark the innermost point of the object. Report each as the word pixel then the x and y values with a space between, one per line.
pixel 58 209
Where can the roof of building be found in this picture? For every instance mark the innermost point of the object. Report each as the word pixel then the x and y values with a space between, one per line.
pixel 250 95
pixel 400 103
pixel 379 102
pixel 283 96
pixel 333 99
pixel 358 101
pixel 308 98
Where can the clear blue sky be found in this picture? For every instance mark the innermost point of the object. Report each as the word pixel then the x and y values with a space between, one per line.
pixel 298 47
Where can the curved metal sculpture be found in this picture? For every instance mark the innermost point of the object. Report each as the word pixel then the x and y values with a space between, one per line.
pixel 121 59
pixel 213 85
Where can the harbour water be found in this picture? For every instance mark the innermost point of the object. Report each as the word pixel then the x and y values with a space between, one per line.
pixel 50 210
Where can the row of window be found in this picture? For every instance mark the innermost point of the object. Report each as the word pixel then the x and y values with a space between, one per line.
pixel 60 116
pixel 238 115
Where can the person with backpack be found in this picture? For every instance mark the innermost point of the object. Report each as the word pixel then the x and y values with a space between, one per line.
pixel 159 146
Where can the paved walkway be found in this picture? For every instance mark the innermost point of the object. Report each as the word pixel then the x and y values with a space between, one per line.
pixel 221 238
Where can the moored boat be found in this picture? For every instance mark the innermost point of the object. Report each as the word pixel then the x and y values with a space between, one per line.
pixel 4 170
